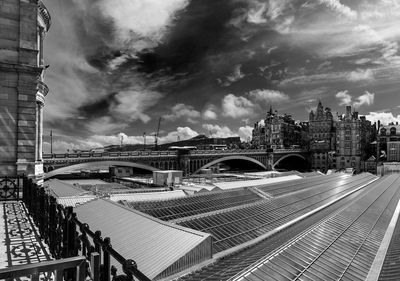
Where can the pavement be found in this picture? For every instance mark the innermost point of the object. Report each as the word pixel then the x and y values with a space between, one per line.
pixel 20 241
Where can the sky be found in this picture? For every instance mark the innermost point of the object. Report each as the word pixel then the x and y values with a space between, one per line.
pixel 213 67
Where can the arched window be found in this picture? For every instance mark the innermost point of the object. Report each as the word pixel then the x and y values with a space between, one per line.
pixel 383 131
pixel 393 131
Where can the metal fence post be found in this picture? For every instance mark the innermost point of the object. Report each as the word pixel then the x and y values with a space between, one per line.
pixel 106 259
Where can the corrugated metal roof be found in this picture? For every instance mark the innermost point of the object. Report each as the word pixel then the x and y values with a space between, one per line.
pixel 153 244
pixel 254 183
pixel 148 196
pixel 85 181
pixel 75 200
pixel 59 188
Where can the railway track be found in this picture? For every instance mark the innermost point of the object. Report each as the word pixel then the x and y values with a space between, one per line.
pixel 342 248
pixel 234 263
pixel 235 227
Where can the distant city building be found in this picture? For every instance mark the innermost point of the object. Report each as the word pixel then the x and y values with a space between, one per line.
pixel 22 95
pixel 354 136
pixel 278 131
pixel 322 138
pixel 389 142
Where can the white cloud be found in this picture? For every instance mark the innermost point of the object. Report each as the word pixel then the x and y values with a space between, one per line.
pixel 132 19
pixel 336 6
pixel 131 104
pixel 181 133
pixel 384 117
pixel 218 131
pixel 237 107
pixel 256 15
pixel 365 99
pixel 360 74
pixel 344 98
pixel 181 110
pixel 245 133
pixel 268 96
pixel 209 113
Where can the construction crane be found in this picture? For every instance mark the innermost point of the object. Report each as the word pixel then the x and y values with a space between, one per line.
pixel 156 135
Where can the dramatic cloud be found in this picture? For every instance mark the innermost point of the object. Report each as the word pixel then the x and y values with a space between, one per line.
pixel 181 110
pixel 344 98
pixel 268 96
pixel 236 107
pixel 138 29
pixel 113 70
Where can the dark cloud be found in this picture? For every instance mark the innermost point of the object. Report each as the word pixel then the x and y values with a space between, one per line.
pixel 202 29
pixel 98 108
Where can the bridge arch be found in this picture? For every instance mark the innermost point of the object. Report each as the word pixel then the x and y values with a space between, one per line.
pixel 227 158
pixel 287 156
pixel 97 165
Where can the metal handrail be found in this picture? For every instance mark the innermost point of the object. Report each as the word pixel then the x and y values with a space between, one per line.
pixel 56 266
pixel 58 227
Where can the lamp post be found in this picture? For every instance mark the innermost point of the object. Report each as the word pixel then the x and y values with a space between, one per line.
pixel 51 141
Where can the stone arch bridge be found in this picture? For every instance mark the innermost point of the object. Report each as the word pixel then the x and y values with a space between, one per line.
pixel 189 161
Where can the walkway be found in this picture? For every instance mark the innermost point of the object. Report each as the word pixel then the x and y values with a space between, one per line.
pixel 19 238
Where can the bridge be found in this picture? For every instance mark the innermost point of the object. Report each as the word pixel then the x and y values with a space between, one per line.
pixel 190 161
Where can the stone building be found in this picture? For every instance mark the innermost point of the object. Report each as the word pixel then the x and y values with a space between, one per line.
pixel 22 91
pixel 322 138
pixel 389 142
pixel 278 131
pixel 353 138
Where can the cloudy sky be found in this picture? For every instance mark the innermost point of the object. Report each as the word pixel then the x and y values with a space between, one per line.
pixel 213 67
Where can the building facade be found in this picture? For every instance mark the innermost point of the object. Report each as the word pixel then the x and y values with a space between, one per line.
pixel 22 90
pixel 389 142
pixel 278 131
pixel 322 138
pixel 354 136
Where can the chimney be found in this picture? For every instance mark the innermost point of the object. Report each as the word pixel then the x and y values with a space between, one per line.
pixel 348 111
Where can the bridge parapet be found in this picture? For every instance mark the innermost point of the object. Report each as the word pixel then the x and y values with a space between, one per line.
pixel 145 153
pixel 289 150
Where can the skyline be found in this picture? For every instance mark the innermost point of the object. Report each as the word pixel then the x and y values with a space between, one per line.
pixel 213 66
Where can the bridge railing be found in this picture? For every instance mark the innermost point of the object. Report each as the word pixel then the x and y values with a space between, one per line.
pixel 289 150
pixel 144 153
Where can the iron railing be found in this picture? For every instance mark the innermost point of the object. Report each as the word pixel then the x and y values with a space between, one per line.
pixel 10 188
pixel 56 267
pixel 67 237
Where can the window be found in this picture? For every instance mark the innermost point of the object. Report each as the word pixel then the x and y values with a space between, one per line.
pixel 393 131
pixel 119 171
